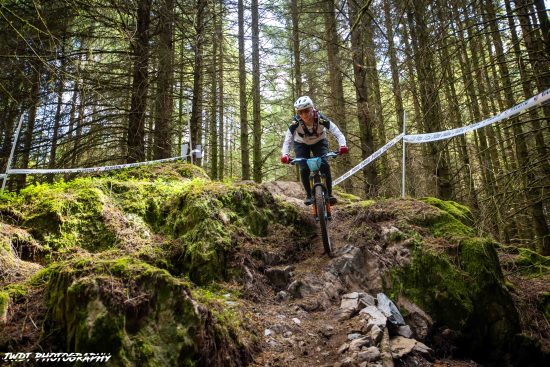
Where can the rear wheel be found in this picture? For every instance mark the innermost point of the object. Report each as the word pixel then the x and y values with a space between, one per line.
pixel 321 214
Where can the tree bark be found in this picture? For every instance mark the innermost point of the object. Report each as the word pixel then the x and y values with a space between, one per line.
pixel 296 49
pixel 256 117
pixel 243 103
pixel 165 82
pixel 221 113
pixel 140 84
pixel 196 105
pixel 364 110
pixel 429 97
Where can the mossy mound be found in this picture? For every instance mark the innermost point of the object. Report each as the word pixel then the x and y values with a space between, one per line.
pixel 453 275
pixel 136 312
pixel 123 256
pixel 209 221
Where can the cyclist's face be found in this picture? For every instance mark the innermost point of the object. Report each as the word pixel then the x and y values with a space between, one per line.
pixel 306 114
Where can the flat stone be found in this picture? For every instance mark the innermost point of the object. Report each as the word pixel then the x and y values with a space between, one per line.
pixel 344 347
pixel 354 336
pixel 350 301
pixel 401 346
pixel 389 309
pixel 374 316
pixel 365 300
pixel 356 344
pixel 327 331
pixel 418 320
pixel 422 348
pixel 371 354
pixel 296 321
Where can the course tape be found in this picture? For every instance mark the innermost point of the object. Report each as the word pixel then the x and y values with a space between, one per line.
pixel 424 138
pixel 369 159
pixel 90 169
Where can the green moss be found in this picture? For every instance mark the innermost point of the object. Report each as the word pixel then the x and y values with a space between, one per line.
pixel 458 211
pixel 525 261
pixel 125 307
pixel 66 215
pixel 345 197
pixel 17 290
pixel 366 203
pixel 434 283
pixel 4 302
pixel 208 217
pixel 533 263
pixel 467 293
pixel 447 222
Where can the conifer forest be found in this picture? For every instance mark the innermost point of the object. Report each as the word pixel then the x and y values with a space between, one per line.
pixel 106 82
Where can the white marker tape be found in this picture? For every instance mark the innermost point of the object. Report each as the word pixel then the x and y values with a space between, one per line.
pixel 425 138
pixel 369 159
pixel 87 170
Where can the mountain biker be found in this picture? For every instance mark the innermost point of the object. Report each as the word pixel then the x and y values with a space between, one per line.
pixel 308 133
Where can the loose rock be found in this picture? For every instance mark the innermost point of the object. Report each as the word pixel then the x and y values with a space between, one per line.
pixel 404 330
pixel 401 346
pixel 374 316
pixel 370 355
pixel 389 309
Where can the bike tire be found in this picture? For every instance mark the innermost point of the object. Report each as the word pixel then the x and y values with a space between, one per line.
pixel 321 214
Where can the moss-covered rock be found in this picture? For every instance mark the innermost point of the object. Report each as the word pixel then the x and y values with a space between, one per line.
pixel 134 311
pixel 458 211
pixel 465 292
pixel 209 218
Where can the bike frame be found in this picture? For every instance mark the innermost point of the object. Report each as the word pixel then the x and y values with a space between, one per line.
pixel 316 178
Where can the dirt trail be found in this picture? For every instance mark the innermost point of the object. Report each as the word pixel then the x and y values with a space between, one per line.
pixel 301 319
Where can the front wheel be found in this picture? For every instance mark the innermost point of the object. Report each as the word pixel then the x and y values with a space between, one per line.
pixel 321 214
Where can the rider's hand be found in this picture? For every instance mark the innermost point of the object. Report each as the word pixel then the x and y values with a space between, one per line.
pixel 285 159
pixel 343 150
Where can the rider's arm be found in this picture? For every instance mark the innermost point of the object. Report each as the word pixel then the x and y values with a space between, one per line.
pixel 334 130
pixel 288 141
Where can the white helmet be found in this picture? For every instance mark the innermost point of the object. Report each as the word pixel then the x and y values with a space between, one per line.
pixel 303 103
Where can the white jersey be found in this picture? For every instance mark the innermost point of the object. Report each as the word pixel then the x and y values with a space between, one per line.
pixel 298 132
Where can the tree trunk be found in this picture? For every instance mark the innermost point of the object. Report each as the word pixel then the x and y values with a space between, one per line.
pixel 337 102
pixel 165 82
pixel 364 111
pixel 429 97
pixel 296 49
pixel 256 117
pixel 27 140
pixel 196 106
pixel 214 102
pixel 221 130
pixel 243 103
pixel 59 108
pixel 396 87
pixel 140 84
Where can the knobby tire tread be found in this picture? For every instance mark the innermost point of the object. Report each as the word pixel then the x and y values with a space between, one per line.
pixel 321 209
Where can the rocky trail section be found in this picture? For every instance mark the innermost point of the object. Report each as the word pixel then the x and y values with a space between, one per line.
pixel 161 266
pixel 315 322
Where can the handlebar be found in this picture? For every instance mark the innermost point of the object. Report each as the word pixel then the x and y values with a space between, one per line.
pixel 329 155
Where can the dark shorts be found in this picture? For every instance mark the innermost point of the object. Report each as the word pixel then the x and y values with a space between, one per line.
pixel 314 150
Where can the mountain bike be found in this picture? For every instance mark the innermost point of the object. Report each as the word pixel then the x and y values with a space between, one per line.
pixel 321 208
